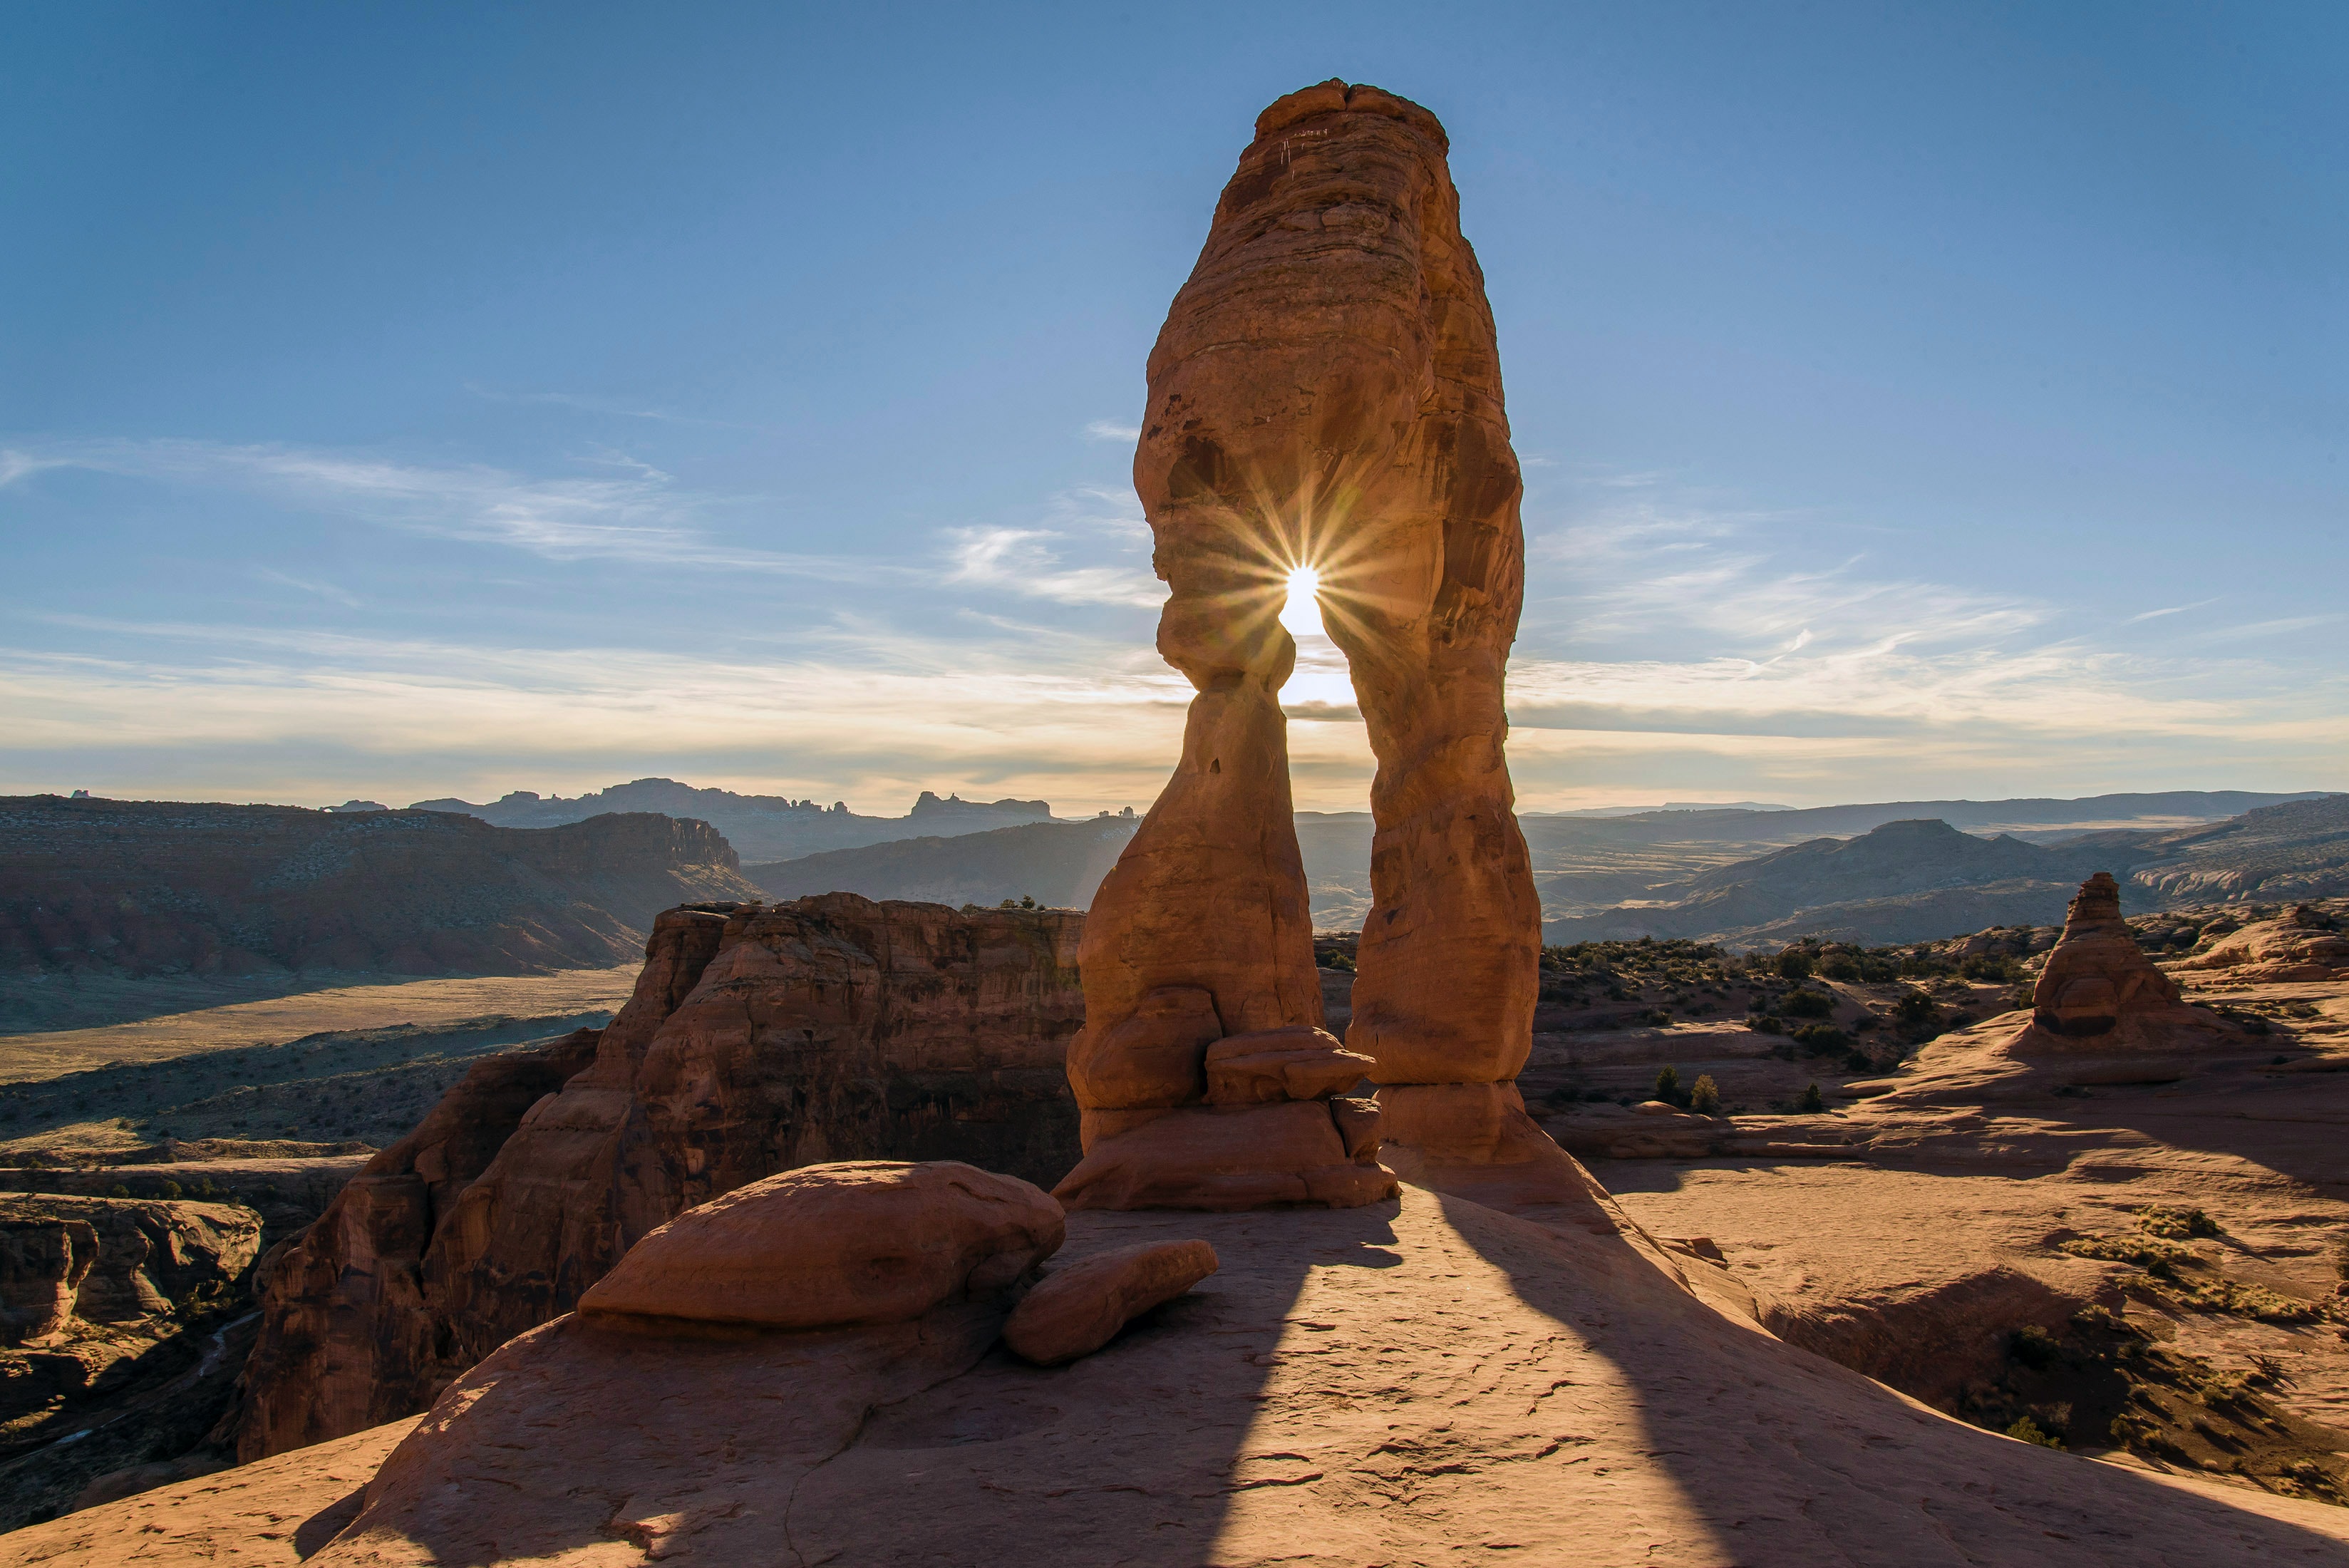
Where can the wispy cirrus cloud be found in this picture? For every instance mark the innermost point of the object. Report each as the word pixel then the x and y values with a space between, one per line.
pixel 640 515
pixel 325 590
pixel 1113 429
pixel 1022 561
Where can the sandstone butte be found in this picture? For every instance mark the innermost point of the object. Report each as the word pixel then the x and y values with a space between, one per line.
pixel 1487 1357
pixel 1325 394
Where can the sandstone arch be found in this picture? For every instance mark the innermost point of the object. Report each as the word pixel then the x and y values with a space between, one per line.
pixel 1326 392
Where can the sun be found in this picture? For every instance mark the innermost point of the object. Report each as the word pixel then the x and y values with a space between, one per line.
pixel 1302 614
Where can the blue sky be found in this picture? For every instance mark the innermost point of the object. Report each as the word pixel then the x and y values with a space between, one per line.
pixel 398 401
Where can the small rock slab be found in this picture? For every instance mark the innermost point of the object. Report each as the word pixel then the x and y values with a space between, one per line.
pixel 1079 1309
pixel 1276 1064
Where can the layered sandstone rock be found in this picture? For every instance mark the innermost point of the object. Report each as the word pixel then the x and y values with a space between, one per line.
pixel 1326 392
pixel 759 1039
pixel 2098 993
pixel 831 1246
pixel 2302 945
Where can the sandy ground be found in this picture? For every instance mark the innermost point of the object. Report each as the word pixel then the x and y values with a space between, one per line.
pixel 275 1020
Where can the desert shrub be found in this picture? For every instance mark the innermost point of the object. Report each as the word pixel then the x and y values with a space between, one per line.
pixel 1704 1099
pixel 117 1190
pixel 1811 1100
pixel 1821 1038
pixel 171 1187
pixel 1795 964
pixel 1656 1016
pixel 1806 1004
pixel 2158 1219
pixel 1840 966
pixel 1989 966
pixel 2142 1251
pixel 2034 1347
pixel 1668 1087
pixel 2028 1431
pixel 1765 1024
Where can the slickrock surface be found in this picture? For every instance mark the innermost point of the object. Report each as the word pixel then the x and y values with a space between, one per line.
pixel 273 1515
pixel 1405 1382
pixel 836 1245
pixel 2302 945
pixel 759 1039
pixel 1079 1309
pixel 1974 1197
pixel 1326 392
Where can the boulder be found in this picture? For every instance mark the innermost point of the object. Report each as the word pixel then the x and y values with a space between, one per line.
pixel 1079 1308
pixel 831 1246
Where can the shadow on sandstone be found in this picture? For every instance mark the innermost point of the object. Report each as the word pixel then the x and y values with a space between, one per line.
pixel 751 1446
pixel 1787 1457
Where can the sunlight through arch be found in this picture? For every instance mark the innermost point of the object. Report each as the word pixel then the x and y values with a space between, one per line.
pixel 1302 614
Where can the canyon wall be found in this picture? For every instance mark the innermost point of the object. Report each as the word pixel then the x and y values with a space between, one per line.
pixel 760 1038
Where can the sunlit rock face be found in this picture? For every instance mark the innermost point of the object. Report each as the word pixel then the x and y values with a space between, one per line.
pixel 1326 393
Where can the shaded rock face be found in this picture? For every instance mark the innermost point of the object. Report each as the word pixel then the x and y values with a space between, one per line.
pixel 759 1039
pixel 1326 393
pixel 2098 991
pixel 150 1258
pixel 43 1262
pixel 142 887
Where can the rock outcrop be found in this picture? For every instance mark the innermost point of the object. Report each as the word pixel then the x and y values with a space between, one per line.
pixel 43 1262
pixel 2098 993
pixel 149 1257
pixel 1079 1309
pixel 1325 394
pixel 2302 945
pixel 759 1039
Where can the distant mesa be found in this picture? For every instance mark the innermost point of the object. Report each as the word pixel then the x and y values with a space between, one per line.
pixel 355 805
pixel 104 890
pixel 761 827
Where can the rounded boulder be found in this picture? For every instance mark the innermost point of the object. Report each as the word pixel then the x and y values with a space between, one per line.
pixel 829 1246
